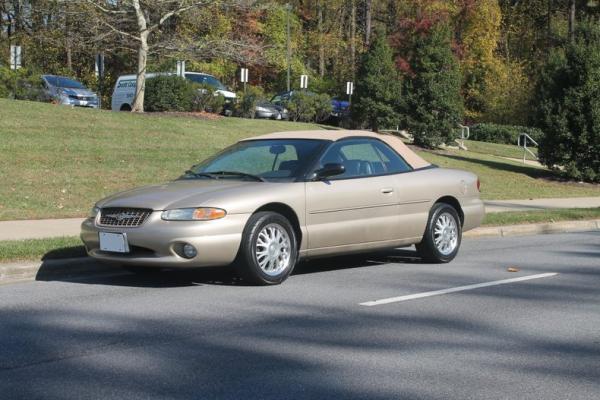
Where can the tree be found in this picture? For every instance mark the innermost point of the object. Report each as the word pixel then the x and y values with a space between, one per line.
pixel 377 87
pixel 568 106
pixel 479 35
pixel 138 20
pixel 432 105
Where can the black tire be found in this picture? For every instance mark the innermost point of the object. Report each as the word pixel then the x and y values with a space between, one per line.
pixel 125 107
pixel 427 248
pixel 247 263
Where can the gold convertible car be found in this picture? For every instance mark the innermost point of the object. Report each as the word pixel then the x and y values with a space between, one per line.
pixel 268 201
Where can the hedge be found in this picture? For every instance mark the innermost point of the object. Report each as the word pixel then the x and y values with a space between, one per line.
pixel 507 134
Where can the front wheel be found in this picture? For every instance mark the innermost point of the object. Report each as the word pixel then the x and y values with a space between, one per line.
pixel 443 234
pixel 268 251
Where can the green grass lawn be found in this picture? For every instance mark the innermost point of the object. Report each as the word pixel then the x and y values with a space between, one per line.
pixel 56 161
pixel 496 149
pixel 503 179
pixel 531 217
pixel 38 249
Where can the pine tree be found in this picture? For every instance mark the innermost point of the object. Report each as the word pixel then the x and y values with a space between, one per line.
pixel 377 87
pixel 568 106
pixel 432 104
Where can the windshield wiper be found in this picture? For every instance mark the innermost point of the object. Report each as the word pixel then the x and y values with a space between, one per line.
pixel 193 174
pixel 236 173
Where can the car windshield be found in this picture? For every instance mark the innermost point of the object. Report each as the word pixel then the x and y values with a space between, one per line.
pixel 61 81
pixel 206 80
pixel 278 160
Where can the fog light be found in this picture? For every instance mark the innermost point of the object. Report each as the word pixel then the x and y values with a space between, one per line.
pixel 189 251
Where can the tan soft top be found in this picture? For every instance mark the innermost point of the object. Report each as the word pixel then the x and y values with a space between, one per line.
pixel 394 142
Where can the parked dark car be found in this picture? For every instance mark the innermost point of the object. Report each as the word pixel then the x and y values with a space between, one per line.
pixel 281 99
pixel 340 108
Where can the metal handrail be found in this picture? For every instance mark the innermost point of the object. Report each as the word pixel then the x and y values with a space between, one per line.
pixel 465 133
pixel 463 129
pixel 524 146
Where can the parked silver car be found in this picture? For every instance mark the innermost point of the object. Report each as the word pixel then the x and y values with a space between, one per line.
pixel 265 109
pixel 69 92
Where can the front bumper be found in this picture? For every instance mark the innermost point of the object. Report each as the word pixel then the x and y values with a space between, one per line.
pixel 79 103
pixel 271 115
pixel 155 242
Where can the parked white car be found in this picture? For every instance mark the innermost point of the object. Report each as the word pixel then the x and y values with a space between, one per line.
pixel 124 91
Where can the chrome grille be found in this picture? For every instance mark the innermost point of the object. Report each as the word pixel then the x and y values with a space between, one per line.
pixel 128 217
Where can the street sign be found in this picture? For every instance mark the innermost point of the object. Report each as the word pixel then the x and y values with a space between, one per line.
pixel 181 69
pixel 15 57
pixel 100 65
pixel 303 81
pixel 349 88
pixel 244 75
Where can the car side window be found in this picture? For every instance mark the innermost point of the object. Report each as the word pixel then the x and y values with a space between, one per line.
pixel 392 162
pixel 357 157
pixel 364 158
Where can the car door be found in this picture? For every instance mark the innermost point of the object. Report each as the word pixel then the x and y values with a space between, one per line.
pixel 356 208
pixel 412 189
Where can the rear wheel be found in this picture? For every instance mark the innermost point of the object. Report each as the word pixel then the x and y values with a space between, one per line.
pixel 443 235
pixel 268 251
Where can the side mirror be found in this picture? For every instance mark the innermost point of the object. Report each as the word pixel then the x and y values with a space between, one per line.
pixel 329 170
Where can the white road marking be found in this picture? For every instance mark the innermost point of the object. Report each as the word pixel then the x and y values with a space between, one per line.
pixel 455 289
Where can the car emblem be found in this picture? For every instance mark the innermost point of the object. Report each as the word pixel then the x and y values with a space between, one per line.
pixel 121 216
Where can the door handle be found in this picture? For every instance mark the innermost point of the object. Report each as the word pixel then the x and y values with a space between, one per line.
pixel 387 190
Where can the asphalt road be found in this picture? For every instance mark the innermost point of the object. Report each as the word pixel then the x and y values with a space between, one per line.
pixel 203 335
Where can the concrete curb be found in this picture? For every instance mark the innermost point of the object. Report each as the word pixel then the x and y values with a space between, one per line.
pixel 85 266
pixel 534 229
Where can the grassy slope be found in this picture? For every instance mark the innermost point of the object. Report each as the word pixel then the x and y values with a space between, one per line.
pixel 532 217
pixel 496 149
pixel 503 179
pixel 37 249
pixel 57 161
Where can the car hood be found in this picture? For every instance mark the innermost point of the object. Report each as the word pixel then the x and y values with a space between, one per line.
pixel 77 92
pixel 176 194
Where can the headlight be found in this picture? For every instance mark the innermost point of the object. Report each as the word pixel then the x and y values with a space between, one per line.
pixel 93 212
pixel 193 214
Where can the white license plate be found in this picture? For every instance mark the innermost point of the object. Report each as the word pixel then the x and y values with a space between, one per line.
pixel 113 242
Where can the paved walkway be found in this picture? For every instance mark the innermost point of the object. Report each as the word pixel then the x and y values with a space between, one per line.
pixel 46 228
pixel 39 228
